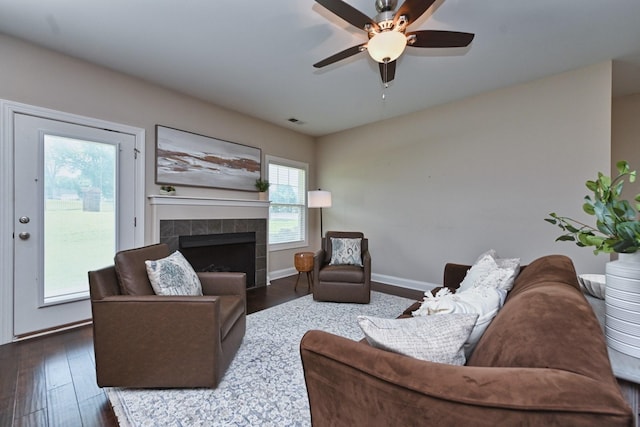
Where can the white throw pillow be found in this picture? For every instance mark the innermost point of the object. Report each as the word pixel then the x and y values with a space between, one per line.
pixel 173 275
pixel 491 271
pixel 346 251
pixel 434 338
pixel 483 301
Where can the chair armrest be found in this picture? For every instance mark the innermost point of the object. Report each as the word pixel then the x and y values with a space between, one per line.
pixel 223 283
pixel 366 263
pixel 318 262
pixel 153 340
pixel 154 311
pixel 369 386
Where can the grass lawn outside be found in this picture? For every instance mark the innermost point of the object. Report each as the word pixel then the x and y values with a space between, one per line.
pixel 76 241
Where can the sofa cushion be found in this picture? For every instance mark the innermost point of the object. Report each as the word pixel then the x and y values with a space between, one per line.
pixel 326 242
pixel 346 251
pixel 434 338
pixel 489 270
pixel 131 270
pixel 484 302
pixel 173 275
pixel 341 273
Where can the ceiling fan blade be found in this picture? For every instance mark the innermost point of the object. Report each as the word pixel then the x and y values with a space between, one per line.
pixel 348 13
pixel 435 38
pixel 340 56
pixel 412 9
pixel 387 71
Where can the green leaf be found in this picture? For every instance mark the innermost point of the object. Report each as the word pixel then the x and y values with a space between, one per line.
pixel 591 240
pixel 591 185
pixel 617 189
pixel 571 228
pixel 604 180
pixel 552 221
pixel 588 208
pixel 622 166
pixel 566 238
pixel 626 231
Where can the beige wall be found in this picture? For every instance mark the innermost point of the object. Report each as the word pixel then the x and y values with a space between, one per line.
pixel 440 185
pixel 44 78
pixel 450 182
pixel 626 137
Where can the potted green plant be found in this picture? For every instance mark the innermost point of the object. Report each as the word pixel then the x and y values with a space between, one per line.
pixel 617 229
pixel 263 186
pixel 168 190
pixel 617 226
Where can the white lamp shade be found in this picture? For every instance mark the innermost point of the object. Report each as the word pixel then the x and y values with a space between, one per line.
pixel 319 199
pixel 387 46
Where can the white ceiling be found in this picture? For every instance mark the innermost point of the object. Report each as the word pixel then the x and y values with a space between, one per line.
pixel 256 56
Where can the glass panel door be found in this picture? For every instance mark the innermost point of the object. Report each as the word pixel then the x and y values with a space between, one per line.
pixel 79 214
pixel 74 208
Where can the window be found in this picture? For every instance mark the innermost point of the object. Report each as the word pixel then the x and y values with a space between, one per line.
pixel 288 212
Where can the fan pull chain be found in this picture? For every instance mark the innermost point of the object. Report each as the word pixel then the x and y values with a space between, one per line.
pixel 386 81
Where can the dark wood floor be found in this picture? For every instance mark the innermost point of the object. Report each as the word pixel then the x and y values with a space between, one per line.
pixel 50 381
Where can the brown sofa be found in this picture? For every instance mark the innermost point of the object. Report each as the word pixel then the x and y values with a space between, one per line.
pixel 147 340
pixel 541 362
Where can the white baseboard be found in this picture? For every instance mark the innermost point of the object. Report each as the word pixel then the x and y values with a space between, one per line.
pixel 380 278
pixel 279 274
pixel 403 283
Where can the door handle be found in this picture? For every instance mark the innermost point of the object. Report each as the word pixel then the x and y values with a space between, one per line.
pixel 24 220
pixel 24 235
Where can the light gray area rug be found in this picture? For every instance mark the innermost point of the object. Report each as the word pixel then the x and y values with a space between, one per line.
pixel 264 386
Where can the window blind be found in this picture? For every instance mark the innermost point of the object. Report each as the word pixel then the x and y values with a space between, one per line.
pixel 287 212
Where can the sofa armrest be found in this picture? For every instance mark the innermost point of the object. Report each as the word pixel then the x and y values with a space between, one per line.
pixel 454 275
pixel 155 340
pixel 352 383
pixel 223 283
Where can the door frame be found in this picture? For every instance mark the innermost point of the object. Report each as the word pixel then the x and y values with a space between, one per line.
pixel 7 110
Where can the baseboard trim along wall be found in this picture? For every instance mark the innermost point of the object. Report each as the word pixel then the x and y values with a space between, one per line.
pixel 403 283
pixel 380 278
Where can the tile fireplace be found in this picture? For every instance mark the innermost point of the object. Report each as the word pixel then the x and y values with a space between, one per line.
pixel 215 232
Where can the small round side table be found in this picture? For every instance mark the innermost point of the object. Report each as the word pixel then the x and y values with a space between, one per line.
pixel 303 262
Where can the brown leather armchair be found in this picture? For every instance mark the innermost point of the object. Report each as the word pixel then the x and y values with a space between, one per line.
pixel 147 340
pixel 342 283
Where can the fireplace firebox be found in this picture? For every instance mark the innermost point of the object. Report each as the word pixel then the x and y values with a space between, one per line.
pixel 222 252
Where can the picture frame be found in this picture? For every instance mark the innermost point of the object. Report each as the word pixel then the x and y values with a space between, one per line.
pixel 191 159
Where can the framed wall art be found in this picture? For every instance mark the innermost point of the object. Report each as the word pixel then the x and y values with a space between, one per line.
pixel 185 158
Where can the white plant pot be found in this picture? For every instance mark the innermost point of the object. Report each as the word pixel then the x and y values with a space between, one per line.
pixel 622 304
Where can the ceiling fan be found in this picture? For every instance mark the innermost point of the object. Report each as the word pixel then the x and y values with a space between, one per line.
pixel 387 33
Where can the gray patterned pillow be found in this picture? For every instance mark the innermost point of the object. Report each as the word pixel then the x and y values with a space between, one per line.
pixel 434 338
pixel 173 275
pixel 346 251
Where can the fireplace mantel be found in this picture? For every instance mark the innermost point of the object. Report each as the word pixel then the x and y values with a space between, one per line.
pixel 187 207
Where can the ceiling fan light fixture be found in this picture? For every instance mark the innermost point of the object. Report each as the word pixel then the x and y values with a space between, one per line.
pixel 386 46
